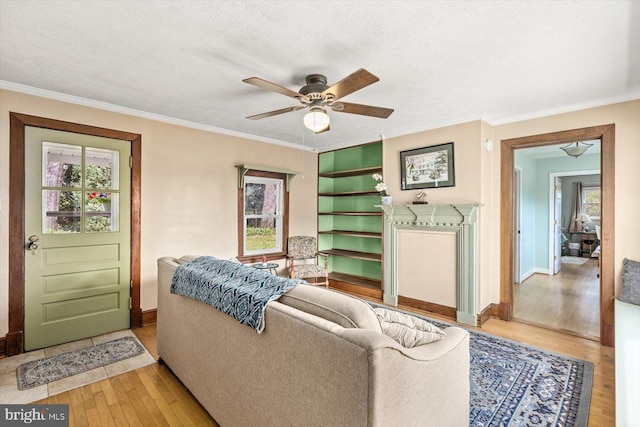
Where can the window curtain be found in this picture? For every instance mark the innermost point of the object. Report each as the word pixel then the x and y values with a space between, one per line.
pixel 576 210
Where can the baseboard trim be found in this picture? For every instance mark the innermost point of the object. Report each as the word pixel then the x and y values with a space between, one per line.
pixel 431 307
pixel 3 347
pixel 535 270
pixel 149 317
pixel 526 275
pixel 492 310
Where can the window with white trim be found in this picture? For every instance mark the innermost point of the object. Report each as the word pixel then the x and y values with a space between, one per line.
pixel 263 208
pixel 591 202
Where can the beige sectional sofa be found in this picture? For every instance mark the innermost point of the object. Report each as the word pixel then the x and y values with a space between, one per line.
pixel 321 360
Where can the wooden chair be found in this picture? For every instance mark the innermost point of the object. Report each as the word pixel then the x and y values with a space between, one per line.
pixel 302 260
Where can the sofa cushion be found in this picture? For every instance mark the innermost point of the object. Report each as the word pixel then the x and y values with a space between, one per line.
pixel 335 307
pixel 630 282
pixel 407 330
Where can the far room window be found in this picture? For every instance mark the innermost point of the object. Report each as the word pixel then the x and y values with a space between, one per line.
pixel 262 208
pixel 591 202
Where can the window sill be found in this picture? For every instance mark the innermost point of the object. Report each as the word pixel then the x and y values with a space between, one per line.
pixel 248 259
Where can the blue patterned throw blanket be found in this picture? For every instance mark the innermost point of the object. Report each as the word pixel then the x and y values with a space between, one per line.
pixel 238 290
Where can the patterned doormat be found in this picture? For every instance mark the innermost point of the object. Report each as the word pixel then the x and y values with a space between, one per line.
pixel 513 384
pixel 48 369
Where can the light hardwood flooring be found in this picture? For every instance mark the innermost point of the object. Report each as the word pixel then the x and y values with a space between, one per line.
pixel 149 396
pixel 568 301
pixel 153 396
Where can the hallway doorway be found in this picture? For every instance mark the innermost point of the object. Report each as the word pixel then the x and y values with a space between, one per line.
pixel 606 134
pixel 551 287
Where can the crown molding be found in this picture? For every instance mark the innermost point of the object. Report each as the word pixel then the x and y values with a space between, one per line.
pixel 71 99
pixel 493 121
pixel 632 96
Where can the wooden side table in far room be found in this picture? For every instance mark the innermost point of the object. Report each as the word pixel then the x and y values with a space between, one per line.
pixel 270 266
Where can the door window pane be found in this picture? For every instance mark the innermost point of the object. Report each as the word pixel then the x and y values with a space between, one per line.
pixel 101 212
pixel 61 165
pixel 61 211
pixel 101 169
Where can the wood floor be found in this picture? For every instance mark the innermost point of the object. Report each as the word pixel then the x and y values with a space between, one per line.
pixel 149 396
pixel 153 396
pixel 568 301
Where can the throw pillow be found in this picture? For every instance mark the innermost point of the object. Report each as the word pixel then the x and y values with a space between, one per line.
pixel 630 282
pixel 407 330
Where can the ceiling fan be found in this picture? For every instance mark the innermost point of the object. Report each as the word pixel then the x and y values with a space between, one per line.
pixel 317 96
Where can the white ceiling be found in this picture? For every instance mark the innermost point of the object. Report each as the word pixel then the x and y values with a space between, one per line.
pixel 439 63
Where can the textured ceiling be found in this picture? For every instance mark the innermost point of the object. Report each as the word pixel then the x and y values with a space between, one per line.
pixel 439 63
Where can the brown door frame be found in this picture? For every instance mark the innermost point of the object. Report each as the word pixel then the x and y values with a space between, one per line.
pixel 15 336
pixel 606 134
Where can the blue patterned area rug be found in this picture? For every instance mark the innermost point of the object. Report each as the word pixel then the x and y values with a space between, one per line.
pixel 43 371
pixel 513 384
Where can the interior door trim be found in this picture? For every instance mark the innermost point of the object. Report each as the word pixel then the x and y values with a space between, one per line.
pixel 15 337
pixel 606 134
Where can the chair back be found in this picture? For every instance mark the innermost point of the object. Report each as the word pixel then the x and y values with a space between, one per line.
pixel 302 247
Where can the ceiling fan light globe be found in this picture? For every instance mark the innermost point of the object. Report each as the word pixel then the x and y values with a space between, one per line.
pixel 316 119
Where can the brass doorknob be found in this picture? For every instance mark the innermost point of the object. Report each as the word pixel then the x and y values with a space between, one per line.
pixel 31 243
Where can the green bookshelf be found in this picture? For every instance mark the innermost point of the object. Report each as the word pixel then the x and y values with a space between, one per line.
pixel 349 223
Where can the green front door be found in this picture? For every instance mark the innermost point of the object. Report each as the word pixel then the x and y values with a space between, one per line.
pixel 77 236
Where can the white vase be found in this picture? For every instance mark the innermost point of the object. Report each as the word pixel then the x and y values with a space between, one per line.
pixel 387 200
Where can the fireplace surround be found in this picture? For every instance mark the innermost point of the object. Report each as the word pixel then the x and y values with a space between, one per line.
pixel 460 219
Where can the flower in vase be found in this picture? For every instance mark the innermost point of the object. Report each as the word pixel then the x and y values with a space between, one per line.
pixel 381 187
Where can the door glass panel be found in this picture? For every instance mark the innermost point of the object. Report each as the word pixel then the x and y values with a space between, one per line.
pixel 101 169
pixel 101 211
pixel 61 165
pixel 61 211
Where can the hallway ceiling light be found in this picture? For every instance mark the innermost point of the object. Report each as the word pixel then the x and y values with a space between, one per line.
pixel 576 149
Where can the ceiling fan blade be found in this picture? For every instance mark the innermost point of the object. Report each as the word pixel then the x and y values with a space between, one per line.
pixel 256 81
pixel 328 128
pixel 276 112
pixel 363 110
pixel 353 82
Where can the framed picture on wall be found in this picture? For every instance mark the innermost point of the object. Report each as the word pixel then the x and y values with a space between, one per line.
pixel 428 167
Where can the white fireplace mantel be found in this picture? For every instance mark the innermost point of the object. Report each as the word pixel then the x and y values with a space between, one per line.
pixel 458 218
